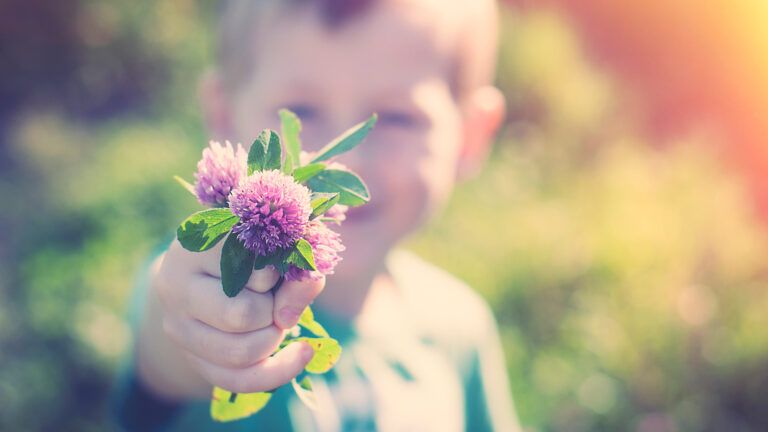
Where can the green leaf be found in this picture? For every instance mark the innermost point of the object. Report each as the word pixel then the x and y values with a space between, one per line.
pixel 204 229
pixel 347 140
pixel 236 265
pixel 301 256
pixel 258 153
pixel 186 185
pixel 274 152
pixel 302 174
pixel 322 202
pixel 290 128
pixel 276 259
pixel 281 266
pixel 327 353
pixel 304 391
pixel 262 261
pixel 351 189
pixel 306 383
pixel 265 152
pixel 307 320
pixel 246 404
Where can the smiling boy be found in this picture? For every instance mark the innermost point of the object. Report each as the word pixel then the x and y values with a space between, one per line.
pixel 421 350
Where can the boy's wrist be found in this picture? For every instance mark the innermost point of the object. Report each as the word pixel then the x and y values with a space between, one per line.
pixel 161 367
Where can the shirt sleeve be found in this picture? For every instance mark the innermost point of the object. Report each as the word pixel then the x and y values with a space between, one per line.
pixel 132 406
pixel 489 405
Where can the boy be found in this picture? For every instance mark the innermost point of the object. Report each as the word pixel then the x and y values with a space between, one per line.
pixel 421 351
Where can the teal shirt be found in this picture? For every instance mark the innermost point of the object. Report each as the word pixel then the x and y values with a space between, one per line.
pixel 437 366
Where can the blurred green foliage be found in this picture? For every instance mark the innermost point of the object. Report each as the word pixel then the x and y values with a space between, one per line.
pixel 628 281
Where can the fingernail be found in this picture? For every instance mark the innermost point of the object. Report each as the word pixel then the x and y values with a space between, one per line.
pixel 289 315
pixel 307 352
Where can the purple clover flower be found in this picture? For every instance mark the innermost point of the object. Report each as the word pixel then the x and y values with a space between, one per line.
pixel 326 246
pixel 273 209
pixel 219 171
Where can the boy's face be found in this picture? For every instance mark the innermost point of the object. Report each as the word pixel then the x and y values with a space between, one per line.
pixel 386 62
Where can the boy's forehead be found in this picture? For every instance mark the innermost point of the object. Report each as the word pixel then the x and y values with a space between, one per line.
pixel 456 37
pixel 388 41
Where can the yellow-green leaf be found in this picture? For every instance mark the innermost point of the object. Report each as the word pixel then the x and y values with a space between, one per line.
pixel 246 404
pixel 327 353
pixel 301 256
pixel 302 174
pixel 347 140
pixel 290 129
pixel 307 320
pixel 351 189
pixel 304 391
pixel 204 229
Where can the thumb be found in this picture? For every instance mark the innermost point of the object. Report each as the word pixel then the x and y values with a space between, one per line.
pixel 293 297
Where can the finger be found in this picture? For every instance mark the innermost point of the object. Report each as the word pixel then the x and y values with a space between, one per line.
pixel 246 312
pixel 263 280
pixel 206 261
pixel 209 263
pixel 230 350
pixel 293 297
pixel 266 375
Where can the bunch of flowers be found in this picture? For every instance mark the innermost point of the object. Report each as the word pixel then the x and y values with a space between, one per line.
pixel 272 206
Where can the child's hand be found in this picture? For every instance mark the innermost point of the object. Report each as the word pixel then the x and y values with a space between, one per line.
pixel 229 340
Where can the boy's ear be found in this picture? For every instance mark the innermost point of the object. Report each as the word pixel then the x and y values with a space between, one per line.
pixel 484 110
pixel 215 106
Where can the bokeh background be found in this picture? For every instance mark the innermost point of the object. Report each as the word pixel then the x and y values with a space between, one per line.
pixel 619 231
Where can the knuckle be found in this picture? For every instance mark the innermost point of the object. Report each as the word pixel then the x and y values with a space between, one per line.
pixel 237 315
pixel 238 356
pixel 285 374
pixel 263 280
pixel 261 311
pixel 206 345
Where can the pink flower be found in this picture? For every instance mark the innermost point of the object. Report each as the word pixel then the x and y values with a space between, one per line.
pixel 273 209
pixel 326 246
pixel 219 171
pixel 338 213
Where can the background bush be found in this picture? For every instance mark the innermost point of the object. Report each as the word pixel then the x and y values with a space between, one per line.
pixel 627 275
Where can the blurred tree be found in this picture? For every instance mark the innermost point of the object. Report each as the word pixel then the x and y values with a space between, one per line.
pixel 78 56
pixel 686 65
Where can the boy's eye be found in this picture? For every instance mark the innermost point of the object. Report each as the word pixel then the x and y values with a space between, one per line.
pixel 395 118
pixel 303 111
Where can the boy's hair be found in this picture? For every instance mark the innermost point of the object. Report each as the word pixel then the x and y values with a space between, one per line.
pixel 473 60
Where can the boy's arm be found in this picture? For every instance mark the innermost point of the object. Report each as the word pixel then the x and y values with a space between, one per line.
pixel 146 399
pixel 161 366
pixel 190 335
